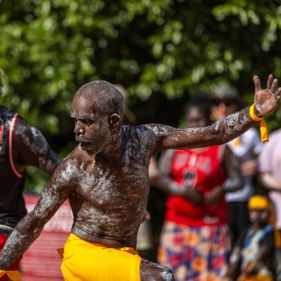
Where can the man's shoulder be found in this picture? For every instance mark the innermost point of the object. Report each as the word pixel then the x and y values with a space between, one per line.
pixel 142 131
pixel 77 155
pixel 141 136
pixel 6 112
pixel 136 128
pixel 69 167
pixel 4 108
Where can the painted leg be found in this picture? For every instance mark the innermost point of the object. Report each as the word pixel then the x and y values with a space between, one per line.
pixel 151 271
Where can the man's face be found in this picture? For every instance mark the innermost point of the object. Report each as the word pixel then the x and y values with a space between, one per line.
pixel 222 107
pixel 258 217
pixel 91 129
pixel 196 118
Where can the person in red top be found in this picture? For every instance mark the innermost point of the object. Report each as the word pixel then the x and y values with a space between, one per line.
pixel 195 240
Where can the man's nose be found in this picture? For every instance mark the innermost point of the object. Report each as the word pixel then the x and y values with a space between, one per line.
pixel 223 108
pixel 78 129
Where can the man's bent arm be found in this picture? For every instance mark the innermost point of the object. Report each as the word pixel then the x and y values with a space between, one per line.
pixel 30 147
pixel 30 227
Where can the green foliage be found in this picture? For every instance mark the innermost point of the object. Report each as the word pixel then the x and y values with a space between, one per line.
pixel 49 48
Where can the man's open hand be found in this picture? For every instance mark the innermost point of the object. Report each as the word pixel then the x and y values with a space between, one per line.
pixel 266 100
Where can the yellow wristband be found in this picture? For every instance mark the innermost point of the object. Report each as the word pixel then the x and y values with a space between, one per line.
pixel 263 126
pixel 253 114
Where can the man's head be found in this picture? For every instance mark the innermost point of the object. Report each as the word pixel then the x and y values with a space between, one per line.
pixel 98 109
pixel 197 111
pixel 258 206
pixel 224 101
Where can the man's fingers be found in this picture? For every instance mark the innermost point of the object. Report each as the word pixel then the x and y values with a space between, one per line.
pixel 278 93
pixel 257 83
pixel 274 85
pixel 269 81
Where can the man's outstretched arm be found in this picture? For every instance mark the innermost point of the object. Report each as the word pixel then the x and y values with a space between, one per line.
pixel 266 101
pixel 30 227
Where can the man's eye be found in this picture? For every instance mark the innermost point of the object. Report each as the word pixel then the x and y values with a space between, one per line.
pixel 88 121
pixel 73 120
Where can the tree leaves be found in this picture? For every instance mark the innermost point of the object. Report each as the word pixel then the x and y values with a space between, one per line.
pixel 50 48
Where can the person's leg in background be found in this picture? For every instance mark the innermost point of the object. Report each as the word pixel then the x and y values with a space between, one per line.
pixel 238 219
pixel 145 245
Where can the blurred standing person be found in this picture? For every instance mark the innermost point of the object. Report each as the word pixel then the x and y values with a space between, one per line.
pixel 246 147
pixel 269 163
pixel 21 145
pixel 195 241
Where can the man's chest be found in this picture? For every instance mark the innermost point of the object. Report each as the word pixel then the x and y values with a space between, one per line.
pixel 107 184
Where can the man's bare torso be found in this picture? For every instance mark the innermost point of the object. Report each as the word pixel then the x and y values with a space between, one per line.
pixel 110 195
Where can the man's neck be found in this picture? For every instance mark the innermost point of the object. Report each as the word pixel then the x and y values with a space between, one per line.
pixel 114 152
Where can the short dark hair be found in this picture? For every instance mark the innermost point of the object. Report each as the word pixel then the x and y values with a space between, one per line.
pixel 201 101
pixel 110 99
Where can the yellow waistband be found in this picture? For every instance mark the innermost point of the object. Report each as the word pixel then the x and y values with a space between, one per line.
pixel 131 250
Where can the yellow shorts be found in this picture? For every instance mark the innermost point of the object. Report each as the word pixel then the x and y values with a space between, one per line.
pixel 85 261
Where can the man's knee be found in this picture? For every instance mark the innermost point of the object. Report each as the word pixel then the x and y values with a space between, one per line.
pixel 151 271
pixel 167 274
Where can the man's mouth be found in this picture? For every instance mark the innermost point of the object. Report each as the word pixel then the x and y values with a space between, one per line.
pixel 84 145
pixel 81 140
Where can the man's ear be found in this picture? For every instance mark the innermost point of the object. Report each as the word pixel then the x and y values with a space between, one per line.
pixel 114 121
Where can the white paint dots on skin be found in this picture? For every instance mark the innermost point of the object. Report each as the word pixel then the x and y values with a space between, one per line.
pixel 157 130
pixel 70 171
pixel 103 190
pixel 167 275
pixel 46 164
pixel 38 143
